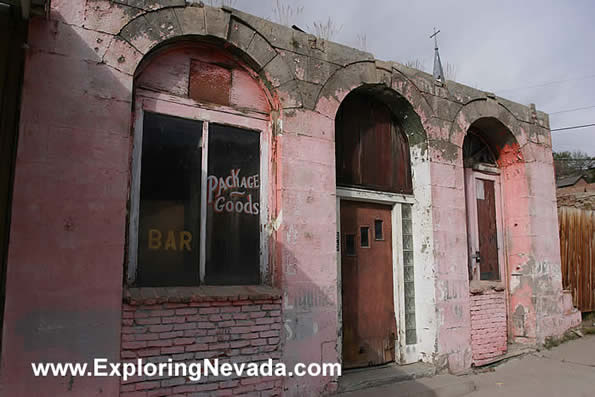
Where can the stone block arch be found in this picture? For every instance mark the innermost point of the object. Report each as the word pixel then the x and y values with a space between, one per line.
pixel 148 31
pixel 372 73
pixel 484 108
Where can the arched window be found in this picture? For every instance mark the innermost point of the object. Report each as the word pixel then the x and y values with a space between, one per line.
pixel 200 165
pixel 476 151
pixel 372 151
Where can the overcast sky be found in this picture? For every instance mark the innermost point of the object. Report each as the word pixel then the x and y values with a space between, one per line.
pixel 504 46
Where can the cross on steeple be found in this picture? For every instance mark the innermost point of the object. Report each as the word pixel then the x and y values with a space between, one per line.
pixel 438 73
pixel 435 37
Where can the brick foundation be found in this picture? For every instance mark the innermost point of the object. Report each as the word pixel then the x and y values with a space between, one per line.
pixel 488 325
pixel 232 329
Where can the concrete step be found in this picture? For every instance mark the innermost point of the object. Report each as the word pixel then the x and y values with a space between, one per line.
pixel 567 302
pixel 436 386
pixel 514 350
pixel 357 379
pixel 573 318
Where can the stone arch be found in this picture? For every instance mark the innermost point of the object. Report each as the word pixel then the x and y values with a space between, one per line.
pixel 392 87
pixel 149 31
pixel 370 73
pixel 486 109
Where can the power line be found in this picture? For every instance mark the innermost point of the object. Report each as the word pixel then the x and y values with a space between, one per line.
pixel 573 110
pixel 547 83
pixel 573 127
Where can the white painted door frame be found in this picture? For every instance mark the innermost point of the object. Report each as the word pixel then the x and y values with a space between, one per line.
pixel 394 200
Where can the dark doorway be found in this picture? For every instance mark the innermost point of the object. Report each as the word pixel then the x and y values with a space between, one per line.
pixel 12 37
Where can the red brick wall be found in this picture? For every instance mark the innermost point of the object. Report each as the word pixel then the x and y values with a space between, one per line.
pixel 237 329
pixel 488 325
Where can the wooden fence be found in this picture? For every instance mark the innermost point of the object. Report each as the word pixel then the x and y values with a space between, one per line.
pixel 577 249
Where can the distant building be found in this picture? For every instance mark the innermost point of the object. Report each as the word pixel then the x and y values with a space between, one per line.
pixel 573 184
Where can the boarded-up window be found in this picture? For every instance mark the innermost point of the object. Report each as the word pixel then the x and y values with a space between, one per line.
pixel 209 83
pixel 169 213
pixel 371 147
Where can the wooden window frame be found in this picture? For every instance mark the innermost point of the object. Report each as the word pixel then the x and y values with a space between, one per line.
pixel 168 105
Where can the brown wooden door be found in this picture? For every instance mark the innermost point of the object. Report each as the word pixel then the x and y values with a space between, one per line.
pixel 482 225
pixel 369 329
pixel 486 228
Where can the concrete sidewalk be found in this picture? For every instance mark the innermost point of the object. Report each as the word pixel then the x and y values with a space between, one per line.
pixel 567 370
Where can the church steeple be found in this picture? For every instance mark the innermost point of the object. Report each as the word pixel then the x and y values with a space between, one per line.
pixel 438 72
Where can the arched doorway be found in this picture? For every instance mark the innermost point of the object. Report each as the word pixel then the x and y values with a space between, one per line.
pixel 483 203
pixel 492 167
pixel 375 189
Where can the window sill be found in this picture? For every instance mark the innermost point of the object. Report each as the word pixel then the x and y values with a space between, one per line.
pixel 205 293
pixel 477 287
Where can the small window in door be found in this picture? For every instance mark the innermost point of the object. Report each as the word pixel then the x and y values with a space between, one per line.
pixel 364 236
pixel 350 244
pixel 479 189
pixel 378 233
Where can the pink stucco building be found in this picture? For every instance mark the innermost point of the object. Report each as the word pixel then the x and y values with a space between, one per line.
pixel 192 182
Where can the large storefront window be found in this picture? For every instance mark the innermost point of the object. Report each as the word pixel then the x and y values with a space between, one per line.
pixel 184 238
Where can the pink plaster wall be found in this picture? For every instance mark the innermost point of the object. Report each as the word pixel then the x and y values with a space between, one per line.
pixel 64 280
pixel 519 247
pixel 450 258
pixel 306 245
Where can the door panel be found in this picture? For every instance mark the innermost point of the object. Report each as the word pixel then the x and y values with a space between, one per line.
pixel 482 226
pixel 486 227
pixel 369 329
